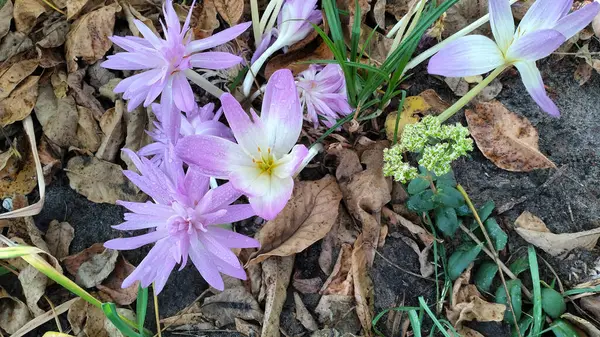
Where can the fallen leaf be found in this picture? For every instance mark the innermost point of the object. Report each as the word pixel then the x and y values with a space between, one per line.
pixel 458 85
pixel 6 15
pixel 232 303
pixel 303 315
pixel 50 157
pixel 34 285
pixel 49 58
pixel 98 75
pixel 462 14
pixel 379 12
pixel 100 181
pixel 343 231
pixel 296 61
pixel 89 135
pixel 413 106
pixel 363 286
pixel 583 324
pixel 306 219
pixel 277 272
pixel 489 92
pixel 247 329
pixel 376 46
pixel 88 37
pixel 112 285
pixel 204 19
pixel 86 319
pixel 111 124
pixel 339 281
pixel 13 313
pixel 508 140
pixel 91 266
pixel 26 13
pixel 111 329
pixel 338 311
pixel 533 230
pixel 12 74
pixel 14 43
pixel 107 90
pixel 84 93
pixel 55 33
pixel 59 117
pixel 136 124
pixel 18 105
pixel 426 268
pixel 425 237
pixel 132 14
pixel 307 286
pixel 19 175
pixel 230 10
pixel 592 305
pixel 59 83
pixel 583 73
pixel 58 237
pixel 398 8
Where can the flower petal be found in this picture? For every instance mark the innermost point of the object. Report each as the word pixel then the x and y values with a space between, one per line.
pixel 196 184
pixel 249 134
pixel 502 22
pixel 234 213
pixel 155 267
pixel 183 96
pixel 231 239
pixel 218 197
pixel 214 156
pixel 251 180
pixel 535 45
pixel 274 200
pixel 148 34
pixel 576 21
pixel 287 166
pixel 531 77
pixel 281 112
pixel 218 38
pixel 214 60
pixel 136 241
pixel 201 259
pixel 467 56
pixel 543 14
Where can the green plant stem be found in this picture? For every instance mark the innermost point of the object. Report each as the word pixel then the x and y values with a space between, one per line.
pixel 203 83
pixel 255 21
pixel 156 314
pixel 471 94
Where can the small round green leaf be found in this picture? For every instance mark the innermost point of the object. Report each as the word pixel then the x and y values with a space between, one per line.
pixel 461 259
pixel 446 220
pixel 485 275
pixel 421 202
pixel 448 196
pixel 485 211
pixel 514 287
pixel 499 238
pixel 553 303
pixel 417 185
pixel 519 265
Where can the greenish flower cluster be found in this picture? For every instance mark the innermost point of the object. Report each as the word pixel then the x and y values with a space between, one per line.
pixel 439 145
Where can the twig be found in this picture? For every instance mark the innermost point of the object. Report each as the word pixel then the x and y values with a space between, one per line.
pixel 54 313
pixel 493 251
pixel 402 269
pixel 43 318
pixel 156 315
pixel 183 312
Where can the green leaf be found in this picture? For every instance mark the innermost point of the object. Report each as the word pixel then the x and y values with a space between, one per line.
pixel 562 328
pixel 446 220
pixel 447 179
pixel 518 266
pixel 497 235
pixel 141 306
pixel 553 303
pixel 417 185
pixel 110 310
pixel 461 259
pixel 524 325
pixel 463 210
pixel 485 275
pixel 538 317
pixel 448 196
pixel 421 202
pixel 514 288
pixel 4 271
pixel 486 210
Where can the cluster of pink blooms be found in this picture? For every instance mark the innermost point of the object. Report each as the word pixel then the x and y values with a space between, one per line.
pixel 258 155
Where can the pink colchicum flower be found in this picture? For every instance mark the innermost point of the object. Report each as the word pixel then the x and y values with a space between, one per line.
pixel 322 91
pixel 264 160
pixel 186 215
pixel 200 121
pixel 543 29
pixel 166 61
pixel 294 23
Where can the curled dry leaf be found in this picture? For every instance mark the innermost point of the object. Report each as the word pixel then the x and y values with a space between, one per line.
pixel 426 268
pixel 340 280
pixel 13 313
pixel 88 37
pixel 13 73
pixel 363 286
pixel 18 175
pixel 247 329
pixel 84 93
pixel 277 272
pixel 583 324
pixel 6 15
pixel 307 286
pixel 303 315
pixel 508 140
pixel 132 14
pixel 232 303
pixel 111 124
pixel 34 285
pixel 462 14
pixel 338 311
pixel 89 135
pixel 395 219
pixel 230 10
pixel 100 181
pixel 91 266
pixel 49 58
pixel 343 231
pixel 136 137
pixel 592 305
pixel 112 285
pixel 306 219
pixel 533 230
pixel 55 33
pixel 88 320
pixel 19 104
pixel 58 237
pixel 14 43
pixel 26 13
pixel 294 60
pixel 204 19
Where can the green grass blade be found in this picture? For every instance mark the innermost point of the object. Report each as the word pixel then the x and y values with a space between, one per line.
pixel 141 306
pixel 377 318
pixel 415 323
pixel 538 320
pixel 398 114
pixel 431 315
pixel 110 310
pixel 581 291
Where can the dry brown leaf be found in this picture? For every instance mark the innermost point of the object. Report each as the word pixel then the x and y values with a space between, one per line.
pixel 136 124
pixel 91 266
pixel 247 329
pixel 508 140
pixel 425 237
pixel 86 319
pixel 379 12
pixel 592 305
pixel 18 105
pixel 398 8
pixel 111 329
pixel 464 13
pixel 277 272
pixel 338 311
pixel 583 73
pixel 100 181
pixel 343 231
pixel 111 124
pixel 533 230
pixel 132 14
pixel 59 83
pixel 230 10
pixel 12 74
pixel 307 286
pixel 49 58
pixel 112 285
pixel 581 323
pixel 13 313
pixel 74 7
pixel 34 285
pixel 426 268
pixel 339 281
pixel 204 19
pixel 88 37
pixel 14 43
pixel 294 60
pixel 55 33
pixel 50 157
pixel 363 286
pixel 6 15
pixel 306 219
pixel 303 315
pixel 26 13
pixel 89 135
pixel 19 175
pixel 232 303
pixel 84 93
pixel 58 237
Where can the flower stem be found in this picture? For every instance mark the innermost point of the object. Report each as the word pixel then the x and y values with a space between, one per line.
pixel 470 95
pixel 255 68
pixel 203 83
pixel 255 21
